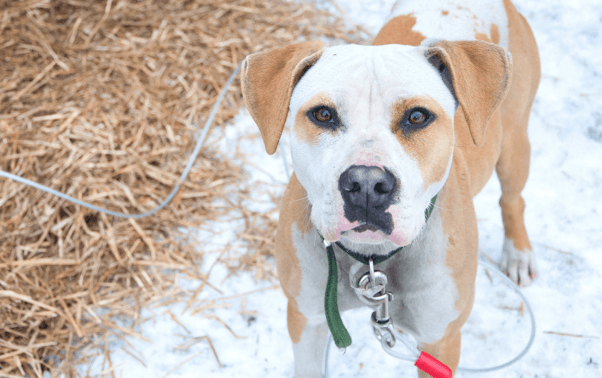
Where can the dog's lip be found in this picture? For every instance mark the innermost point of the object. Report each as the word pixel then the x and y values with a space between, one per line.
pixel 365 227
pixel 368 234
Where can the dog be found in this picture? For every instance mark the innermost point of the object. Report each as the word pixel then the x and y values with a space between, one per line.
pixel 440 99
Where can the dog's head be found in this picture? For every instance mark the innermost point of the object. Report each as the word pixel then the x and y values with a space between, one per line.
pixel 372 131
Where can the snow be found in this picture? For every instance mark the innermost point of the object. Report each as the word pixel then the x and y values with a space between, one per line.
pixel 563 218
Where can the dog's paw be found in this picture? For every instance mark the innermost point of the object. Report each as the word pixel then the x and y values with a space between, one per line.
pixel 520 266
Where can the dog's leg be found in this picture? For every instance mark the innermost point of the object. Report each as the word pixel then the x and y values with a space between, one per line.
pixel 309 348
pixel 446 350
pixel 513 165
pixel 518 259
pixel 303 271
pixel 307 326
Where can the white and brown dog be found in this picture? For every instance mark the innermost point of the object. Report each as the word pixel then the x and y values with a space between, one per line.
pixel 376 132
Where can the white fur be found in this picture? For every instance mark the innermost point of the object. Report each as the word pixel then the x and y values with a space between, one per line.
pixel 314 266
pixel 518 264
pixel 466 18
pixel 425 292
pixel 363 82
pixel 424 285
pixel 309 352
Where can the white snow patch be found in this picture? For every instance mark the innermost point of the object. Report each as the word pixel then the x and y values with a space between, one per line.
pixel 563 216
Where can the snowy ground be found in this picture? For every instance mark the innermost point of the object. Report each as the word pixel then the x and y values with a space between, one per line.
pixel 563 218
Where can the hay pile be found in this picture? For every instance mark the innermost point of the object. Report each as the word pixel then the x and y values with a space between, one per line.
pixel 99 100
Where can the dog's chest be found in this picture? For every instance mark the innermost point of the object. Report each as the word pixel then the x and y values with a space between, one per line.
pixel 424 290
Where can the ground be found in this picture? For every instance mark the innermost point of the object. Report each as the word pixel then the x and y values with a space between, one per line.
pixel 563 219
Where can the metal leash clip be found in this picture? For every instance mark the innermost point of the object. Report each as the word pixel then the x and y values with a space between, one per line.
pixel 374 295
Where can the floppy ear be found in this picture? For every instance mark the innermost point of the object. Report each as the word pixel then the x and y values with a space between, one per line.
pixel 268 79
pixel 479 74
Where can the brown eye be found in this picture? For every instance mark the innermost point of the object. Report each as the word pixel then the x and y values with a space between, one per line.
pixel 417 117
pixel 323 115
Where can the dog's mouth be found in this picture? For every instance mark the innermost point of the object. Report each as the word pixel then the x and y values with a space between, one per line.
pixel 365 227
pixel 365 233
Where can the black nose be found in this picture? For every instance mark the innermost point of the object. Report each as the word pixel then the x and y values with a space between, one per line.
pixel 368 188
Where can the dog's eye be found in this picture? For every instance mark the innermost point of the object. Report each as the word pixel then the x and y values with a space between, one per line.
pixel 415 119
pixel 324 116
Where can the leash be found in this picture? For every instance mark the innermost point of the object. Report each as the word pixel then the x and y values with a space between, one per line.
pixel 171 195
pixel 372 292
pixel 331 308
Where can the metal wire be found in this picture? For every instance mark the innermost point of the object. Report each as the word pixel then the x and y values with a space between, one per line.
pixel 508 282
pixel 173 192
pixel 325 369
pixel 413 359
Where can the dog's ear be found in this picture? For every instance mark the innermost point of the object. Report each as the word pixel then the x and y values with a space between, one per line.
pixel 268 79
pixel 478 74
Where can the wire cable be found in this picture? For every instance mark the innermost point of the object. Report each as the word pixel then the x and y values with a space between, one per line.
pixel 173 192
pixel 412 359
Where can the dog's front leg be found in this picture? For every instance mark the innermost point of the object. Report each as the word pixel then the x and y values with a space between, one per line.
pixel 306 320
pixel 446 350
pixel 303 272
pixel 309 335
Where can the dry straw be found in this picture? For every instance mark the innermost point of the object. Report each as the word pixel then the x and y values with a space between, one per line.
pixel 99 100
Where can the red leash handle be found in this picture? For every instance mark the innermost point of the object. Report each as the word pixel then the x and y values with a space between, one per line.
pixel 433 366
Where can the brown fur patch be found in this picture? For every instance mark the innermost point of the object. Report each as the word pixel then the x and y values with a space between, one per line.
pixel 295 320
pixel 460 228
pixel 483 157
pixel 493 37
pixel 513 165
pixel 480 74
pixel 431 146
pixel 399 31
pixel 305 129
pixel 494 32
pixel 268 79
pixel 482 37
pixel 294 211
pixel 447 351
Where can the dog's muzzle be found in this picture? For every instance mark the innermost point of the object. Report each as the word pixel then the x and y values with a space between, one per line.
pixel 367 192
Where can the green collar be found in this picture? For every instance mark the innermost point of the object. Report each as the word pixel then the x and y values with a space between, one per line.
pixel 331 308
